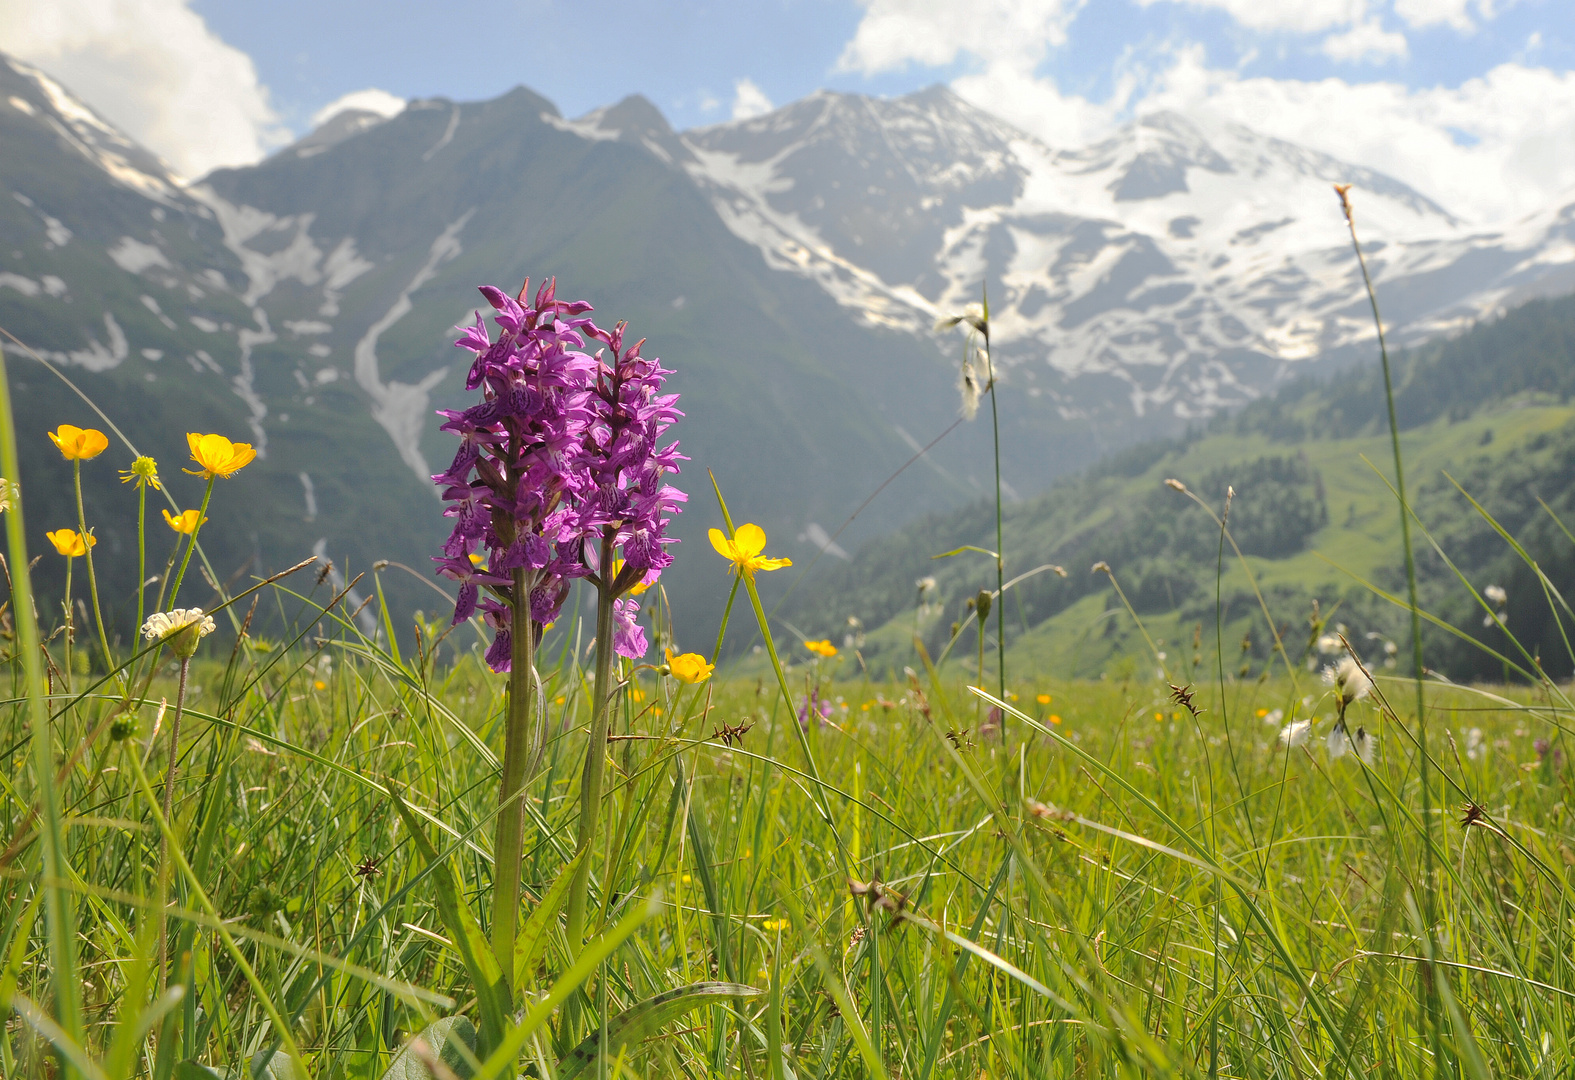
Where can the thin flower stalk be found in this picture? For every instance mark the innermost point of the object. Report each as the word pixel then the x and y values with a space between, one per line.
pixel 77 445
pixel 181 630
pixel 1429 890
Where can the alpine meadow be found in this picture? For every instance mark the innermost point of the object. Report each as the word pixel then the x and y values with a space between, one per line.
pixel 494 595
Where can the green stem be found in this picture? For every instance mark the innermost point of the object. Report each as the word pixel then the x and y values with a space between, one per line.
pixel 71 630
pixel 520 742
pixel 1429 899
pixel 596 749
pixel 59 919
pixel 87 553
pixel 164 839
pixel 1000 551
pixel 192 543
pixel 142 557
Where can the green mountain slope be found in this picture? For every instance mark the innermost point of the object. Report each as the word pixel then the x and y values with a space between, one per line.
pixel 1311 512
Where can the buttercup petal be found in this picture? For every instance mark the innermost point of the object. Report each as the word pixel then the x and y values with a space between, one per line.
pixel 750 540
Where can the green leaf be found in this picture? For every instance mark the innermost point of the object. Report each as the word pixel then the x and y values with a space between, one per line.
pixel 272 1065
pixel 196 1070
pixel 451 1039
pixel 641 1021
pixel 464 930
pixel 959 551
pixel 532 938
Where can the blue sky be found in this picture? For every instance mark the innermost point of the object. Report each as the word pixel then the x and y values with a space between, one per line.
pixel 686 55
pixel 1471 101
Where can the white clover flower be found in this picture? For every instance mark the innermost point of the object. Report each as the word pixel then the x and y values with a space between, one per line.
pixel 1296 733
pixel 181 628
pixel 1496 594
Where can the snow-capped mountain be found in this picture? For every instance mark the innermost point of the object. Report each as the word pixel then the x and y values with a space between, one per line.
pixel 789 267
pixel 1191 264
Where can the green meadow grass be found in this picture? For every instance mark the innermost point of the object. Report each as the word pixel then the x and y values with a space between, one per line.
pixel 1179 869
pixel 1123 890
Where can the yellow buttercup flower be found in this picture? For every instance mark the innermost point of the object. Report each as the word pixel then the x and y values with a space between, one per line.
pixel 71 543
pixel 822 647
pixel 79 444
pixel 1043 699
pixel 217 455
pixel 744 549
pixel 144 472
pixel 689 667
pixel 185 522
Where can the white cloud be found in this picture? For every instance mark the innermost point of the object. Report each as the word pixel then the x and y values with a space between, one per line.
pixel 1419 13
pixel 1011 33
pixel 749 101
pixel 1491 149
pixel 370 100
pixel 1298 16
pixel 155 70
pixel 1365 41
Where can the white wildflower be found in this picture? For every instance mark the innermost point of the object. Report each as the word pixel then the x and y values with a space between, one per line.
pixel 972 314
pixel 1328 643
pixel 1274 717
pixel 181 629
pixel 1496 594
pixel 1350 682
pixel 970 389
pixel 1390 648
pixel 1366 745
pixel 1296 733
pixel 1475 744
pixel 1339 741
pixel 10 495
pixel 926 585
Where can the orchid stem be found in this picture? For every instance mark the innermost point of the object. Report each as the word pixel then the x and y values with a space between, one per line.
pixel 595 750
pixel 520 744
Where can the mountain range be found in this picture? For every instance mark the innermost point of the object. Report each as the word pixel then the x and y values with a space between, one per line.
pixel 788 267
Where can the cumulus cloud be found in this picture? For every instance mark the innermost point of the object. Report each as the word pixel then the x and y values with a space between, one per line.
pixel 1010 33
pixel 1491 149
pixel 1420 13
pixel 749 101
pixel 1365 41
pixel 1298 16
pixel 155 70
pixel 370 100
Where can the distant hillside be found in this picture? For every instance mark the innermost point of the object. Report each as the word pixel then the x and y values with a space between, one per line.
pixel 1490 408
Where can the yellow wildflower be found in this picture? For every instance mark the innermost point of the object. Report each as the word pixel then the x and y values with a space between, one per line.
pixel 821 648
pixel 689 667
pixel 1054 719
pixel 1043 699
pixel 79 444
pixel 71 543
pixel 744 549
pixel 185 522
pixel 217 455
pixel 144 472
